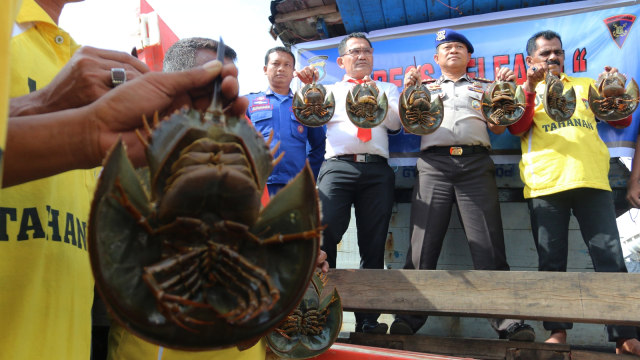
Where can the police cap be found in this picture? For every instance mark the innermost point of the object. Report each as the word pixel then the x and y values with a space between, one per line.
pixel 448 35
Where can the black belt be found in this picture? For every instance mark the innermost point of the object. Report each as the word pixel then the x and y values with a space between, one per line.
pixel 362 158
pixel 457 150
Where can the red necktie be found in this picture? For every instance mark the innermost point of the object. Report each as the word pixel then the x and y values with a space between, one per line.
pixel 363 134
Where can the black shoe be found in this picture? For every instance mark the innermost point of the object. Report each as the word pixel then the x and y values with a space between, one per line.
pixel 519 332
pixel 401 327
pixel 377 328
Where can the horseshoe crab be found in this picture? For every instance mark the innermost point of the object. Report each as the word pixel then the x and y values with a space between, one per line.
pixel 366 105
pixel 197 263
pixel 611 101
pixel 559 105
pixel 313 106
pixel 503 103
pixel 420 115
pixel 312 327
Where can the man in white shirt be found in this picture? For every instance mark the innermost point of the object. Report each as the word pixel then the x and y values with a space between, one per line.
pixel 355 171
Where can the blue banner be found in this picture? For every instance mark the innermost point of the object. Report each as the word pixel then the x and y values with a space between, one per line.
pixel 591 40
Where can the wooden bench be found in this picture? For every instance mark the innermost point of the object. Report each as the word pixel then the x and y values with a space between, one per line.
pixel 583 297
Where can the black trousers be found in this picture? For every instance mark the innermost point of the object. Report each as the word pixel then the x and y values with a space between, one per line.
pixel 595 212
pixel 369 188
pixel 468 181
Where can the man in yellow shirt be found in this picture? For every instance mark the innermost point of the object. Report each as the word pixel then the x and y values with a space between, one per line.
pixel 50 72
pixel 8 11
pixel 45 278
pixel 565 168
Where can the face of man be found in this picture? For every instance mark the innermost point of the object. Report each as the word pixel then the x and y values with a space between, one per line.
pixel 549 51
pixel 279 71
pixel 452 57
pixel 357 60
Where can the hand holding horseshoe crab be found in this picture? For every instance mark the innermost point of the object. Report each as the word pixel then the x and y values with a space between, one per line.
pixel 313 105
pixel 558 104
pixel 503 102
pixel 192 261
pixel 366 105
pixel 418 113
pixel 611 101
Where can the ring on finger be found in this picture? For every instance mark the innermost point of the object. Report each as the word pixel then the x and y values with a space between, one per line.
pixel 118 76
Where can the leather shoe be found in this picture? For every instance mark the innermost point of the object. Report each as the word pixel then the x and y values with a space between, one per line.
pixel 400 327
pixel 519 332
pixel 377 328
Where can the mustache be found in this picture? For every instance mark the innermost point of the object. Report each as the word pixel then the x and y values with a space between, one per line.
pixel 553 62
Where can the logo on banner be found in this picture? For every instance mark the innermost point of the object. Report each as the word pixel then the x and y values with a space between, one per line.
pixel 619 27
pixel 319 62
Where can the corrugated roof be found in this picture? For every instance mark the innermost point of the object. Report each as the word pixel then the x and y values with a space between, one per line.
pixel 296 21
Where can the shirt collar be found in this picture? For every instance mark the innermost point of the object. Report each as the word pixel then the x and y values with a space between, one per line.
pixel 270 92
pixel 32 12
pixel 443 78
pixel 346 78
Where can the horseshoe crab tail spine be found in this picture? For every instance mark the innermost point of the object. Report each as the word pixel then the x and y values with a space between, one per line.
pixel 215 109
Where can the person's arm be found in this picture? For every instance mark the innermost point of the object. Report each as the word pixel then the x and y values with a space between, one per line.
pixel 633 186
pixel 316 136
pixel 85 78
pixel 535 74
pixel 44 145
pixel 621 124
pixel 524 124
pixel 392 121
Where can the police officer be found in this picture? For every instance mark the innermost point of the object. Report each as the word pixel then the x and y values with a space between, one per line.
pixel 270 111
pixel 454 166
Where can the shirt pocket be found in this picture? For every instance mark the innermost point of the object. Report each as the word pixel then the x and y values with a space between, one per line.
pixel 475 101
pixel 262 121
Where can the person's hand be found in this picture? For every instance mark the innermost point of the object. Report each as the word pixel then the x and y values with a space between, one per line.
pixel 368 80
pixel 633 193
pixel 535 74
pixel 321 262
pixel 412 77
pixel 84 79
pixel 119 112
pixel 610 70
pixel 505 74
pixel 307 74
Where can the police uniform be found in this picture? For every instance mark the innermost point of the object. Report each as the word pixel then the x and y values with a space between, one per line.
pixel 269 112
pixel 454 166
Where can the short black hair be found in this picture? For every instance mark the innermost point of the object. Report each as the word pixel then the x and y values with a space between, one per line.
pixel 279 49
pixel 547 34
pixel 182 54
pixel 342 47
